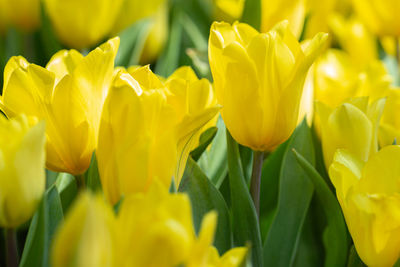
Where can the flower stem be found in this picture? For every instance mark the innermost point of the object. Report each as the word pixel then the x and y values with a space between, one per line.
pixel 11 247
pixel 397 44
pixel 80 181
pixel 256 179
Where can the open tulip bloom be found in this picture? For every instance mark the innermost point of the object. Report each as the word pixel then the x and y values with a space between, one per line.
pixel 193 133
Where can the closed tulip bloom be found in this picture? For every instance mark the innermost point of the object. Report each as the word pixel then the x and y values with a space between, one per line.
pixel 275 11
pixel 259 80
pixel 193 101
pixel 352 125
pixel 228 10
pixel 22 176
pixel 381 16
pixel 87 236
pixel 69 95
pixel 137 142
pixel 389 130
pixel 23 14
pixel 82 24
pixel 368 193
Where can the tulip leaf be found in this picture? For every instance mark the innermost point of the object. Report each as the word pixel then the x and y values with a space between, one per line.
pixel 244 218
pixel 295 194
pixel 67 188
pixel 214 161
pixel 205 140
pixel 252 13
pixel 169 59
pixel 354 260
pixel 270 187
pixel 204 198
pixel 41 230
pixel 132 42
pixel 92 175
pixel 335 234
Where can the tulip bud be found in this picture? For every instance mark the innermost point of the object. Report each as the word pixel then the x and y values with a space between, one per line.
pixel 87 236
pixel 259 80
pixel 22 175
pixel 82 24
pixel 137 142
pixel 381 16
pixel 369 196
pixel 352 126
pixel 69 95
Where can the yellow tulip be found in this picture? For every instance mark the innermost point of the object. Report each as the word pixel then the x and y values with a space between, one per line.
pixel 22 176
pixel 369 196
pixel 137 140
pixel 23 14
pixel 228 10
pixel 259 80
pixel 355 39
pixel 196 107
pixel 69 95
pixel 157 12
pixel 275 11
pixel 337 77
pixel 389 131
pixel 352 125
pixel 193 101
pixel 381 16
pixel 82 24
pixel 233 257
pixel 87 236
pixel 319 13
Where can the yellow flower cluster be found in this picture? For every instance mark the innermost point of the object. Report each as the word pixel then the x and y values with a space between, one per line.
pixel 153 229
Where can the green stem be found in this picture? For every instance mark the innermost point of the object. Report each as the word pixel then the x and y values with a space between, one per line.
pixel 80 181
pixel 11 247
pixel 397 44
pixel 256 179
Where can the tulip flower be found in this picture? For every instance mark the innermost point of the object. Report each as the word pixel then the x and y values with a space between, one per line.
pixel 82 24
pixel 352 125
pixel 337 77
pixel 259 80
pixel 228 10
pixel 381 16
pixel 389 130
pixel 193 101
pixel 273 12
pixel 137 140
pixel 368 193
pixel 22 176
pixel 23 14
pixel 355 39
pixel 233 257
pixel 157 13
pixel 87 236
pixel 69 95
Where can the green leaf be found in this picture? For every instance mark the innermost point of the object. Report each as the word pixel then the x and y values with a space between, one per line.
pixel 67 188
pixel 295 194
pixel 214 162
pixel 270 187
pixel 41 230
pixel 132 43
pixel 92 176
pixel 355 261
pixel 252 13
pixel 204 198
pixel 335 234
pixel 168 61
pixel 205 140
pixel 244 218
